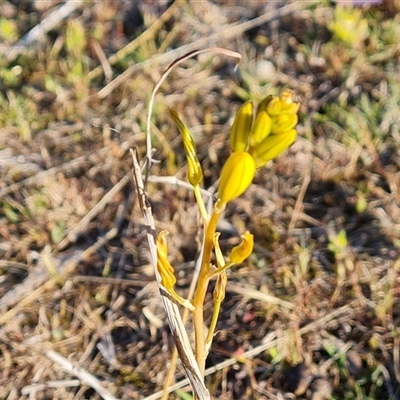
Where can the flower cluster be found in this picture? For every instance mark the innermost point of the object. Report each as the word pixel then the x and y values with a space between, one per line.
pixel 257 139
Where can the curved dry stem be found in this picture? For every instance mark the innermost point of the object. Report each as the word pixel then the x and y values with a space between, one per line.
pixel 216 50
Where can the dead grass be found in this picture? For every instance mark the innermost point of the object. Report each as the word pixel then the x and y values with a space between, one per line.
pixel 315 312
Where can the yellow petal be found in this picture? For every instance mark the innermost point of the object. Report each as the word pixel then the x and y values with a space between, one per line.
pixel 238 138
pixel 236 176
pixel 218 253
pixel 283 123
pixel 195 172
pixel 161 242
pixel 261 128
pixel 243 250
pixel 272 146
pixel 286 97
pixel 165 269
pixel 288 106
pixel 274 106
pixel 262 106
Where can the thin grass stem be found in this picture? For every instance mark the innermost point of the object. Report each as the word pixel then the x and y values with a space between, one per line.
pixel 200 202
pixel 213 324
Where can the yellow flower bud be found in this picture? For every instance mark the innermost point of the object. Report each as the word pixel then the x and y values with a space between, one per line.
pixel 286 97
pixel 165 269
pixel 218 253
pixel 236 176
pixel 261 128
pixel 243 250
pixel 240 130
pixel 272 146
pixel 262 106
pixel 283 123
pixel 274 106
pixel 195 173
pixel 288 106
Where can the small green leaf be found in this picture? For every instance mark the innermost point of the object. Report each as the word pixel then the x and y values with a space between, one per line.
pixel 184 395
pixel 10 213
pixel 57 232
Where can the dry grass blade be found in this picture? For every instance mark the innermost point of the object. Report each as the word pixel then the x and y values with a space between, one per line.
pixel 257 295
pixel 83 375
pixel 63 265
pixel 271 340
pixel 215 50
pixel 74 233
pixel 69 168
pixel 146 35
pixel 36 387
pixel 75 270
pixel 173 315
pixel 225 33
pixel 45 26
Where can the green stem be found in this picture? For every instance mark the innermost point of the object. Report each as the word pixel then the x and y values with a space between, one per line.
pixel 216 272
pixel 200 203
pixel 213 324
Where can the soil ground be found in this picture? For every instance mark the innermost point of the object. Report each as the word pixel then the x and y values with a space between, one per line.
pixel 314 313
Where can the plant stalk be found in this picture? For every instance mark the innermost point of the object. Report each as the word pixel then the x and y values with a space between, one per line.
pixel 201 290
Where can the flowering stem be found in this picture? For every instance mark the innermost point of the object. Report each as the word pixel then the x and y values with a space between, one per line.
pixel 216 272
pixel 200 203
pixel 201 290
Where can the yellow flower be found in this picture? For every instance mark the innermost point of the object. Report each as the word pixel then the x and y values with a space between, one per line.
pixel 274 106
pixel 218 253
pixel 237 256
pixel 288 104
pixel 270 132
pixel 195 173
pixel 243 250
pixel 284 122
pixel 277 133
pixel 240 130
pixel 166 271
pixel 236 176
pixel 272 146
pixel 261 128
